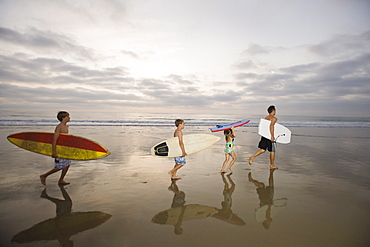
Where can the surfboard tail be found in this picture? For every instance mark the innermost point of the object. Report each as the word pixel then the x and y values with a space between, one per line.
pixel 161 149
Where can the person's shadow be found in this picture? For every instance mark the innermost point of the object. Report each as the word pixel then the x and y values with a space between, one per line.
pixel 225 213
pixel 64 225
pixel 268 207
pixel 179 212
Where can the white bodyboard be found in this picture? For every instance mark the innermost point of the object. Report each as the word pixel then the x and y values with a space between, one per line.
pixel 282 134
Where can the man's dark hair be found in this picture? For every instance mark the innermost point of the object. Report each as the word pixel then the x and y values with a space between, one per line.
pixel 271 109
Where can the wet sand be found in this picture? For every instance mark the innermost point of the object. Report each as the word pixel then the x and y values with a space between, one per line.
pixel 319 196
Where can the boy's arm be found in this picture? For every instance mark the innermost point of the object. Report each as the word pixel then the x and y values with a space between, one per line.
pixel 272 128
pixel 181 143
pixel 54 143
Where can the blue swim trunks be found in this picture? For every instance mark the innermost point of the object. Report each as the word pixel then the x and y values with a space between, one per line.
pixel 180 160
pixel 61 163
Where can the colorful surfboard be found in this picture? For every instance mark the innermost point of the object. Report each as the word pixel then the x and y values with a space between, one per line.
pixel 193 143
pixel 68 146
pixel 228 126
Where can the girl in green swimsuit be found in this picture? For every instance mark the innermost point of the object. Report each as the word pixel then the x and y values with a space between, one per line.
pixel 229 150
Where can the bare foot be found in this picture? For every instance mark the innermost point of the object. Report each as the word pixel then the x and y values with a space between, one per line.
pixel 63 183
pixel 175 178
pixel 230 171
pixel 273 167
pixel 43 179
pixel 250 161
pixel 222 171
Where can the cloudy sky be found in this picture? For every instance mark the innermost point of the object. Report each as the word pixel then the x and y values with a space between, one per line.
pixel 191 56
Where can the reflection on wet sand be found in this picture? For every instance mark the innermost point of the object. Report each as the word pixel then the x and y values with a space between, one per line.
pixel 64 225
pixel 226 214
pixel 268 206
pixel 180 212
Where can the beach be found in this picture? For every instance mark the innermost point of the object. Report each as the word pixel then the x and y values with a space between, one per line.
pixel 320 195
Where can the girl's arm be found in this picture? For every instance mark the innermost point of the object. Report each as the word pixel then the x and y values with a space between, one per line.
pixel 233 132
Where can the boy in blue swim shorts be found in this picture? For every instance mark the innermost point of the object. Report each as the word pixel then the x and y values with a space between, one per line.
pixel 60 164
pixel 179 161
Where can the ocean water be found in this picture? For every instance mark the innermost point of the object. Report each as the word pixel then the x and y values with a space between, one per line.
pixel 165 120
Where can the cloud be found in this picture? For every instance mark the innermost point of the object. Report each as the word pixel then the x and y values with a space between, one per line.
pixel 246 65
pixel 347 80
pixel 130 54
pixel 35 39
pixel 245 76
pixel 51 69
pixel 45 97
pixel 180 80
pixel 44 42
pixel 340 76
pixel 342 46
pixel 255 49
pixel 24 69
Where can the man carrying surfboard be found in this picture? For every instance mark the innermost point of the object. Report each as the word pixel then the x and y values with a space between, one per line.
pixel 268 144
pixel 60 164
pixel 179 161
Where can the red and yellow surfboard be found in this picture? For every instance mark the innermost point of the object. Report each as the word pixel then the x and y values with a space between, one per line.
pixel 68 146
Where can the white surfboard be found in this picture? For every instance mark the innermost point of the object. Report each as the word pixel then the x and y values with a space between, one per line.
pixel 282 134
pixel 193 143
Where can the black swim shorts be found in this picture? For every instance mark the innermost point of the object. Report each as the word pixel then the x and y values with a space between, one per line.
pixel 267 144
